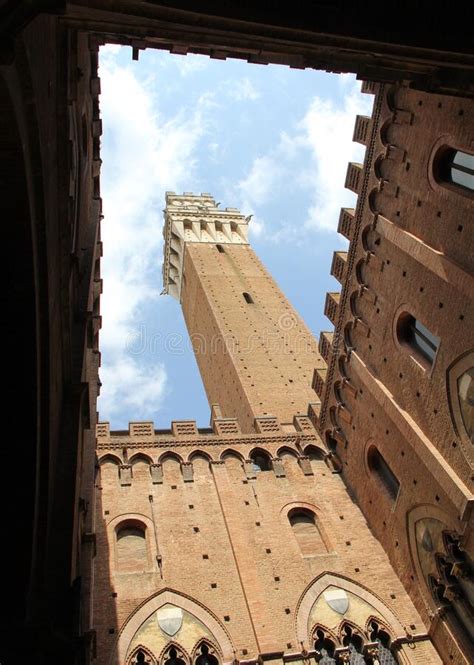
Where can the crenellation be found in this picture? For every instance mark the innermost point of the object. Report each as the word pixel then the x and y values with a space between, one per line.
pixel 353 177
pixel 331 306
pixel 346 223
pixel 361 129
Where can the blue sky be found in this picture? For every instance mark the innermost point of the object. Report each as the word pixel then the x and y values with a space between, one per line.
pixel 271 141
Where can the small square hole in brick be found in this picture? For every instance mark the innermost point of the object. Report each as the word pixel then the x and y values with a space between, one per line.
pixel 205 556
pixel 245 482
pixel 213 585
pixel 191 506
pixel 173 487
pixel 257 523
pixel 114 594
pixel 392 596
pixel 276 578
pixel 341 517
pixel 244 652
pixel 247 503
pixel 412 626
pixel 268 551
pixel 106 512
pixel 289 645
pixel 227 617
pixel 357 570
pixel 348 542
pixel 196 529
pixel 287 610
pixel 111 631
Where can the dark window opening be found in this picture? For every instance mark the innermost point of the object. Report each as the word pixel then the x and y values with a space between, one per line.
pixel 412 333
pixel 457 168
pixel 261 461
pixel 173 658
pixel 248 298
pixel 384 473
pixel 205 657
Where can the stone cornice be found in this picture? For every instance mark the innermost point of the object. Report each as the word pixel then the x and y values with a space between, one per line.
pixel 117 443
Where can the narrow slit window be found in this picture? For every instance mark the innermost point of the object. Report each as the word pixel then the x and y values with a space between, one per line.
pixel 248 298
pixel 220 249
pixel 384 473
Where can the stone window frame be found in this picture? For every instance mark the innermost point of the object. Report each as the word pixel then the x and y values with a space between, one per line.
pixel 454 371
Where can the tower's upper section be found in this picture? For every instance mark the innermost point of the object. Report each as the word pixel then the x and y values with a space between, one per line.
pixel 196 218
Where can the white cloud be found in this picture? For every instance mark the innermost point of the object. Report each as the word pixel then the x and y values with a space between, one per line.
pixel 189 64
pixel 130 386
pixel 160 156
pixel 326 130
pixel 256 189
pixel 243 90
pixel 310 159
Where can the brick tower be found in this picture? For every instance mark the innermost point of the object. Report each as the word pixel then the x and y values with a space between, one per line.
pixel 255 354
pixel 239 543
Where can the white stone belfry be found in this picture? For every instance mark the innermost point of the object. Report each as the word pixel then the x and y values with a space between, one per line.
pixel 196 218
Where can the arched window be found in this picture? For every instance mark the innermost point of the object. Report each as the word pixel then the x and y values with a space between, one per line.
pixel 324 648
pixel 354 642
pixel 261 461
pixel 220 249
pixel 248 298
pixel 383 472
pixel 456 168
pixel 131 548
pixel 304 525
pixel 173 656
pixel 414 335
pixel 205 656
pixel 141 657
pixel 382 639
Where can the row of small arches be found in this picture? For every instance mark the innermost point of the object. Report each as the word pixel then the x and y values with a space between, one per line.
pixel 174 654
pixel 311 451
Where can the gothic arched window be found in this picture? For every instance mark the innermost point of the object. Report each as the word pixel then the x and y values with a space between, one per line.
pixel 355 644
pixel 173 656
pixel 382 643
pixel 205 656
pixel 448 571
pixel 324 648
